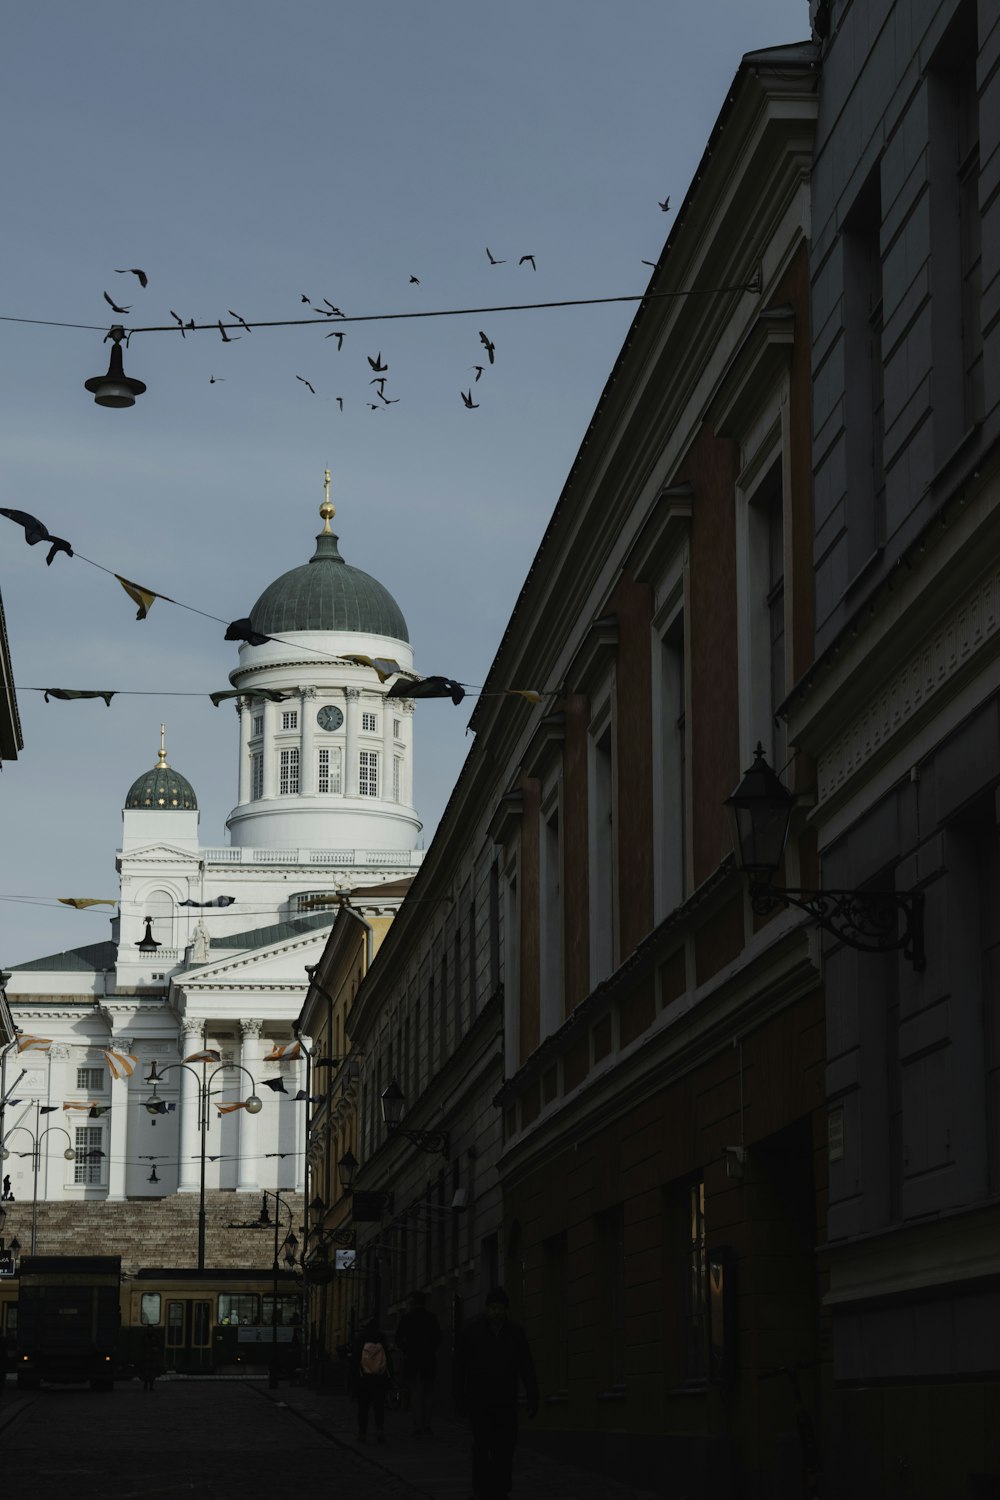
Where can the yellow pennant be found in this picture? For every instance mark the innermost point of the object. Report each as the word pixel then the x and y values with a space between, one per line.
pixel 120 1064
pixel 143 597
pixel 81 901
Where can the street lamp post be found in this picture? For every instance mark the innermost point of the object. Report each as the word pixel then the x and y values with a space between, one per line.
pixel 289 1244
pixel 36 1151
pixel 156 1106
pixel 393 1100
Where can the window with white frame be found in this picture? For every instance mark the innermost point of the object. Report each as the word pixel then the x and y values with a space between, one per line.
pixel 288 777
pixel 397 729
pixel 763 598
pixel 258 725
pixel 670 766
pixel 369 723
pixel 256 776
pixel 551 917
pixel 602 842
pixel 368 773
pixel 87 1167
pixel 290 718
pixel 328 771
pixel 397 777
pixel 91 1080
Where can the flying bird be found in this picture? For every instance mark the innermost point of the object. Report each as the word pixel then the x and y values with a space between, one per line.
pixel 528 257
pixel 478 369
pixel 216 379
pixel 650 263
pixel 389 400
pixel 378 380
pixel 373 406
pixel 180 322
pixel 493 259
pixel 336 334
pixel 304 298
pixel 376 363
pixel 306 383
pixel 414 280
pixel 340 402
pixel 225 336
pixel 489 347
pixel 134 271
pixel 114 305
pixel 467 398
pixel 665 205
pixel 335 312
pixel 236 315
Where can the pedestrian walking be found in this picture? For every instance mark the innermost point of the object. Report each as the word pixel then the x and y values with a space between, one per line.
pixel 370 1375
pixel 492 1358
pixel 150 1359
pixel 418 1338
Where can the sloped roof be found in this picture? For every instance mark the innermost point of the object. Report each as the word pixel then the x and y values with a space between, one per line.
pixel 278 932
pixel 93 958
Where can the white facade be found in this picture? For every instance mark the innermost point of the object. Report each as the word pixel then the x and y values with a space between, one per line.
pixel 336 813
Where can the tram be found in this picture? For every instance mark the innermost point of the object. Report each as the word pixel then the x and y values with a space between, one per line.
pixel 211 1322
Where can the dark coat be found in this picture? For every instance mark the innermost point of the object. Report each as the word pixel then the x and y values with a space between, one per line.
pixel 490 1360
pixel 418 1337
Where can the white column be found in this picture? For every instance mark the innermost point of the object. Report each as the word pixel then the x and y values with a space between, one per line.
pixel 407 708
pixel 248 1163
pixel 189 1151
pixel 245 710
pixel 270 769
pixel 351 781
pixel 307 755
pixel 388 752
pixel 117 1133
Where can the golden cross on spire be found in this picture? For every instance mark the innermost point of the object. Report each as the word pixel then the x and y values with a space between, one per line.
pixel 327 510
pixel 161 764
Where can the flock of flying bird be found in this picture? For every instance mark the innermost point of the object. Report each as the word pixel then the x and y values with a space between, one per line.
pixel 329 309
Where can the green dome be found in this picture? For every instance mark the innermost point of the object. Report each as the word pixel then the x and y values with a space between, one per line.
pixel 327 594
pixel 162 789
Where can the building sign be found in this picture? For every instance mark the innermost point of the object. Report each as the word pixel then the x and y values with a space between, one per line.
pixel 6 1263
pixel 344 1260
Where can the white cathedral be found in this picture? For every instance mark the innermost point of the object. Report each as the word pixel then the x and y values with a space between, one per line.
pixel 324 805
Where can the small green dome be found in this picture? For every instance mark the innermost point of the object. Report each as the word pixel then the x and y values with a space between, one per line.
pixel 328 594
pixel 162 789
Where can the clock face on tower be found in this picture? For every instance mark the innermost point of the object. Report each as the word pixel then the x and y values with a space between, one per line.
pixel 329 717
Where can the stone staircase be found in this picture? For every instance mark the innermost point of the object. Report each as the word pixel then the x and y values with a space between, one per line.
pixel 157 1232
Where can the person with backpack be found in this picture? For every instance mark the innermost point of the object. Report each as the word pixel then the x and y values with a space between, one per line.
pixel 418 1338
pixel 370 1370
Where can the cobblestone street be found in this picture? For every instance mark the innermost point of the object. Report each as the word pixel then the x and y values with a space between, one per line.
pixel 239 1440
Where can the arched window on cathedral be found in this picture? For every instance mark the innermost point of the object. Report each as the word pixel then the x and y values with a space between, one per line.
pixel 160 906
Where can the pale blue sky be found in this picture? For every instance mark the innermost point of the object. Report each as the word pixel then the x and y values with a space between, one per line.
pixel 242 154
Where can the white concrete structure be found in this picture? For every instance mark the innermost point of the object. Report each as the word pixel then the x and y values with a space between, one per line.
pixel 324 803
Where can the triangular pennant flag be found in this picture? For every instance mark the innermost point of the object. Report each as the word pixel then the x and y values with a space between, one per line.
pixel 208 1055
pixel 528 693
pixel 219 901
pixel 96 1110
pixel 273 695
pixel 81 901
pixel 287 1053
pixel 67 695
pixel 242 630
pixel 227 1109
pixel 276 1084
pixel 48 1109
pixel 90 1106
pixel 428 687
pixel 36 531
pixel 120 1064
pixel 384 667
pixel 33 1043
pixel 143 597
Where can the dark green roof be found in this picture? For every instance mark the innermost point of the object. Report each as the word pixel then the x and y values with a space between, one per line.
pixel 162 789
pixel 278 932
pixel 94 958
pixel 328 594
